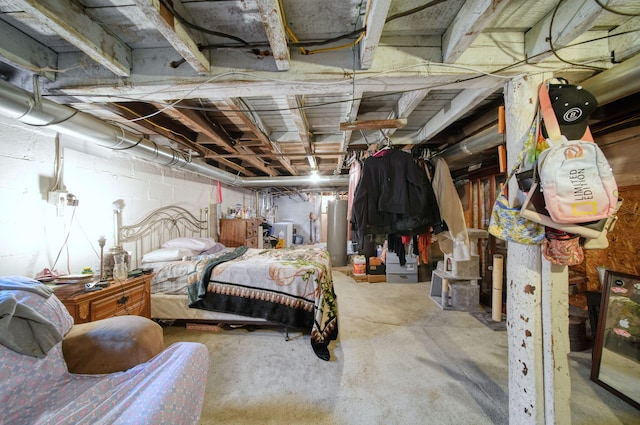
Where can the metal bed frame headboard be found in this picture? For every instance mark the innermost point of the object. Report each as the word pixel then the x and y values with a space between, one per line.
pixel 159 226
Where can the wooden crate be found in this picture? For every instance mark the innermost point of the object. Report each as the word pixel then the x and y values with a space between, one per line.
pixel 374 278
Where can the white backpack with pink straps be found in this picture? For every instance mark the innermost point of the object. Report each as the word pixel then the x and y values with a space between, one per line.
pixel 575 177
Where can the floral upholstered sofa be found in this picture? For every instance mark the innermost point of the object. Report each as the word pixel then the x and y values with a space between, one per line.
pixel 36 386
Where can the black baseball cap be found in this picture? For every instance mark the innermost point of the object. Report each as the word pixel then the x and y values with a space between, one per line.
pixel 572 106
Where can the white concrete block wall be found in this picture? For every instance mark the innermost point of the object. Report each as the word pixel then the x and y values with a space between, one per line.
pixel 32 233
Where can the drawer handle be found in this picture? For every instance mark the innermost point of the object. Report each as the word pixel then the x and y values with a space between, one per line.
pixel 122 301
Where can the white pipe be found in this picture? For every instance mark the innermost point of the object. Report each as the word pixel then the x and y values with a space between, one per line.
pixel 496 293
pixel 22 105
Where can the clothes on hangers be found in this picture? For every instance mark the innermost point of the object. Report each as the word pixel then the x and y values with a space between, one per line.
pixel 394 195
pixel 355 171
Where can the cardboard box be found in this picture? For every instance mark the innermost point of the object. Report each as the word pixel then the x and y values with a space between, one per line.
pixel 360 278
pixel 375 266
pixel 374 278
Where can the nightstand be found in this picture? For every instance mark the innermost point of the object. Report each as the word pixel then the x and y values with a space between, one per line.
pixel 133 296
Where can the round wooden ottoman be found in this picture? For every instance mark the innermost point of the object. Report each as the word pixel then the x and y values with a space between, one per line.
pixel 111 345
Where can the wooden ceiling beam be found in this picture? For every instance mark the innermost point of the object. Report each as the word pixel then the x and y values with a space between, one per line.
pixel 175 32
pixel 258 128
pixel 65 18
pixel 275 28
pixel 468 24
pixel 376 16
pixel 373 124
pixel 199 123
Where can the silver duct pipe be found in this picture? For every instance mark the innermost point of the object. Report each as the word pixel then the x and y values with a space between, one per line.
pixel 473 145
pixel 608 86
pixel 615 83
pixel 31 110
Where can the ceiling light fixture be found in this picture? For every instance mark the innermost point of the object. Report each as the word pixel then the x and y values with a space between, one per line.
pixel 314 176
pixel 373 124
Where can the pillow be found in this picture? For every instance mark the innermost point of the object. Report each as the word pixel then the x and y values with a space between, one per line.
pixel 217 247
pixel 166 254
pixel 194 244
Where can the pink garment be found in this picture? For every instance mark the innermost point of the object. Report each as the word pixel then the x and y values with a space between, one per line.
pixel 355 171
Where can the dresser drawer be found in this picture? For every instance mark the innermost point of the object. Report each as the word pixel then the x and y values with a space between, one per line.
pixel 252 242
pixel 409 277
pixel 408 268
pixel 128 301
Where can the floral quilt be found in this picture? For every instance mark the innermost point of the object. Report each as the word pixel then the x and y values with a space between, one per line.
pixel 293 287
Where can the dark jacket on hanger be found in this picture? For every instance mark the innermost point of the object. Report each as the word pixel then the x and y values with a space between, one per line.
pixel 394 196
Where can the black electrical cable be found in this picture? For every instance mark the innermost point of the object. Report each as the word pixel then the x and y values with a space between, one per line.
pixel 191 25
pixel 553 49
pixel 414 10
pixel 617 12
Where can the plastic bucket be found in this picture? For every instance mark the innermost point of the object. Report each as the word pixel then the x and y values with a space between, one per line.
pixel 359 265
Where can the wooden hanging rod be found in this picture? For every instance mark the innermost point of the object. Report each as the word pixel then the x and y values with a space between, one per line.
pixel 373 124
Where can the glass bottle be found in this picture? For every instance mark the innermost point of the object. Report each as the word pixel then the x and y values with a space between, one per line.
pixel 120 268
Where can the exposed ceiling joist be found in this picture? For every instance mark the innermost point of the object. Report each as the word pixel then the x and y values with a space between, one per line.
pixel 459 106
pixel 566 21
pixel 174 31
pixel 68 20
pixel 375 17
pixel 263 95
pixel 467 25
pixel 22 51
pixel 274 27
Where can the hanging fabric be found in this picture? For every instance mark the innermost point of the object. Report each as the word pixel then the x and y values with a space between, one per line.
pixel 454 240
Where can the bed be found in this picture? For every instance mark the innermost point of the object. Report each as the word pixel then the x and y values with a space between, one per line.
pixel 198 280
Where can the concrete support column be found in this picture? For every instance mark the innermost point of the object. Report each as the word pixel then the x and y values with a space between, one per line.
pixel 535 396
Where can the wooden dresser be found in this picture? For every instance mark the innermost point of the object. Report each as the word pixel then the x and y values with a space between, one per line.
pixel 133 296
pixel 236 232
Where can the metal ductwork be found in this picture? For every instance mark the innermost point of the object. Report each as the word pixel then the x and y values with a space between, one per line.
pixel 473 145
pixel 608 86
pixel 615 83
pixel 32 110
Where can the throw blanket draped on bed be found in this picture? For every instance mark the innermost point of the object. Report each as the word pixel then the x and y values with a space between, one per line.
pixel 293 287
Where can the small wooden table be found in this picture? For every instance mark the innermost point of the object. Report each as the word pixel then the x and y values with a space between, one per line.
pixel 133 296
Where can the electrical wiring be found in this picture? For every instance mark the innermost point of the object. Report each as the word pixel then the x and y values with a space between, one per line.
pixel 617 12
pixel 414 10
pixel 358 33
pixel 553 49
pixel 304 51
pixel 58 165
pixel 350 81
pixel 64 244
pixel 344 46
pixel 176 87
pixel 175 133
pixel 175 152
pixel 191 25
